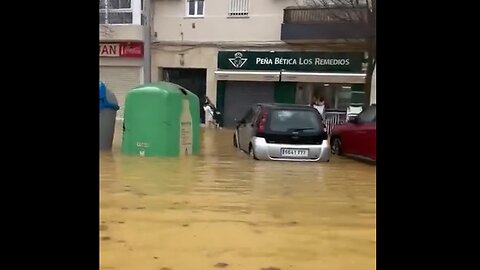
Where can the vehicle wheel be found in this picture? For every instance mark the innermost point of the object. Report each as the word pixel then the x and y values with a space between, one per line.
pixel 251 153
pixel 235 141
pixel 336 146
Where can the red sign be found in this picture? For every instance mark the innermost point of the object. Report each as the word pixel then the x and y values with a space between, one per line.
pixel 131 50
pixel 123 49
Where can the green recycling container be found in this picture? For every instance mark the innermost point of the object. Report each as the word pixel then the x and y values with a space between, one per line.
pixel 161 119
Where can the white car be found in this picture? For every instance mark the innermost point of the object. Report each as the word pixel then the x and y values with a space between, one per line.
pixel 288 132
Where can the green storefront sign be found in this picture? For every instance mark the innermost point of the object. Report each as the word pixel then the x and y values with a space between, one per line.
pixel 291 61
pixel 285 92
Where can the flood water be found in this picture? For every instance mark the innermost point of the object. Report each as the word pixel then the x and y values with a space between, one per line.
pixel 221 210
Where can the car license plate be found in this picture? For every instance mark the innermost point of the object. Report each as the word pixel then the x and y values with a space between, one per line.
pixel 286 152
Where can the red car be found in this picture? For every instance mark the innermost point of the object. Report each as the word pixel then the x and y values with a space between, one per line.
pixel 358 136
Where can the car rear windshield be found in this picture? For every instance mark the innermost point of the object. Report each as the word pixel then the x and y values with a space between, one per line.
pixel 294 120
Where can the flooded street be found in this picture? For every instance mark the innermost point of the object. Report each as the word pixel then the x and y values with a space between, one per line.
pixel 221 210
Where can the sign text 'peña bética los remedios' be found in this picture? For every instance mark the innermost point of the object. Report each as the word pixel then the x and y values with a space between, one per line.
pixel 302 61
pixel 291 61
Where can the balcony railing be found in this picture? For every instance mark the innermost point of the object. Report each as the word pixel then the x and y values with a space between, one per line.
pixel 318 15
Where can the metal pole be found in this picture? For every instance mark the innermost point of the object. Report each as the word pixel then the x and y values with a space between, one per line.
pixel 147 35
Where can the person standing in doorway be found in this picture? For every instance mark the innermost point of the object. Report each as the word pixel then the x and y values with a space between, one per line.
pixel 319 105
pixel 209 112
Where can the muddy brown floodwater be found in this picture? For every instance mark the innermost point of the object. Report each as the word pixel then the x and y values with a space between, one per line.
pixel 221 210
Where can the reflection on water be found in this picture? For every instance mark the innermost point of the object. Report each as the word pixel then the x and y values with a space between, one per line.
pixel 221 210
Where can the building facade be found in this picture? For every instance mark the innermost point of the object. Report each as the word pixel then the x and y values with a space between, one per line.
pixel 121 46
pixel 236 52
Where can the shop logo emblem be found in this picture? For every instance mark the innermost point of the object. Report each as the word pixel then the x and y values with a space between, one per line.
pixel 238 61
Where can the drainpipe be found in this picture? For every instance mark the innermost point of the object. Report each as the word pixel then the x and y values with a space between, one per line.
pixel 147 35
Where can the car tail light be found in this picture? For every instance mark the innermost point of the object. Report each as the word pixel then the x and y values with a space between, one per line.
pixel 262 121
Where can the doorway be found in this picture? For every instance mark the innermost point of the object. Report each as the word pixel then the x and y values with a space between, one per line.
pixel 193 79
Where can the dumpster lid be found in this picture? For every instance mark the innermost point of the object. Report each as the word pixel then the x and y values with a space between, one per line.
pixel 103 100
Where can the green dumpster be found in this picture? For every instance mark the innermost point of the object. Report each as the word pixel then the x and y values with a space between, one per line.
pixel 161 119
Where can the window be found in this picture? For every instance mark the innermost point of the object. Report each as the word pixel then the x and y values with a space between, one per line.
pixel 294 120
pixel 368 116
pixel 343 97
pixel 248 118
pixel 195 8
pixel 120 11
pixel 238 8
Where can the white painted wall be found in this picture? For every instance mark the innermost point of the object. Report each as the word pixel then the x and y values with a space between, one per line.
pixel 262 24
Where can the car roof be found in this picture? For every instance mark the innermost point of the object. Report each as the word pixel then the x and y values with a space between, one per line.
pixel 284 106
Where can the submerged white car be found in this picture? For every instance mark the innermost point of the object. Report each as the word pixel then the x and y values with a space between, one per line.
pixel 271 131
